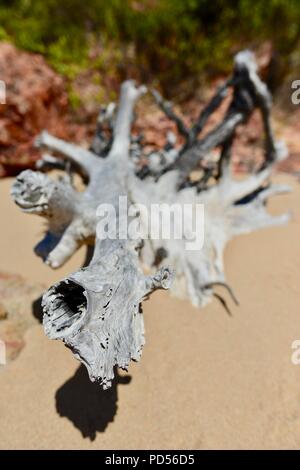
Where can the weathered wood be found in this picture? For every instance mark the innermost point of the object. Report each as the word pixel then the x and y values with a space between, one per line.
pixel 97 310
pixel 71 214
pixel 231 208
pixel 249 93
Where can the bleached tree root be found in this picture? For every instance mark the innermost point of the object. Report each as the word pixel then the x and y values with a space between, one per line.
pixel 97 311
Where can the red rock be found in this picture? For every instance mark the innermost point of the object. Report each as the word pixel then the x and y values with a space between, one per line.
pixel 36 98
pixel 16 313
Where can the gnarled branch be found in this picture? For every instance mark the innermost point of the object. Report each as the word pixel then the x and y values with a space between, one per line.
pixel 97 310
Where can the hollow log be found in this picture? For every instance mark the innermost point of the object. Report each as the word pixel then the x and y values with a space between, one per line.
pixel 97 311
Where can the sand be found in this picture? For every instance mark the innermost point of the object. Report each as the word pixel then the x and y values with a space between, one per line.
pixel 206 380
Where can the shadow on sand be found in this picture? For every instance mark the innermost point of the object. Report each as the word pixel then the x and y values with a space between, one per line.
pixel 86 404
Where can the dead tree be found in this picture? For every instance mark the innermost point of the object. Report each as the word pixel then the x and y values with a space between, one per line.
pixel 97 310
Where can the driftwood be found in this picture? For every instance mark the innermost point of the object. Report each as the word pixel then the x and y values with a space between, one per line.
pixel 97 310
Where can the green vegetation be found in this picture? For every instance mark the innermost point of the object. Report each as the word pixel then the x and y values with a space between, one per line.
pixel 164 39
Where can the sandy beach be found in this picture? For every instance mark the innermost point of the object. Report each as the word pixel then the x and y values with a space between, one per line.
pixel 206 380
